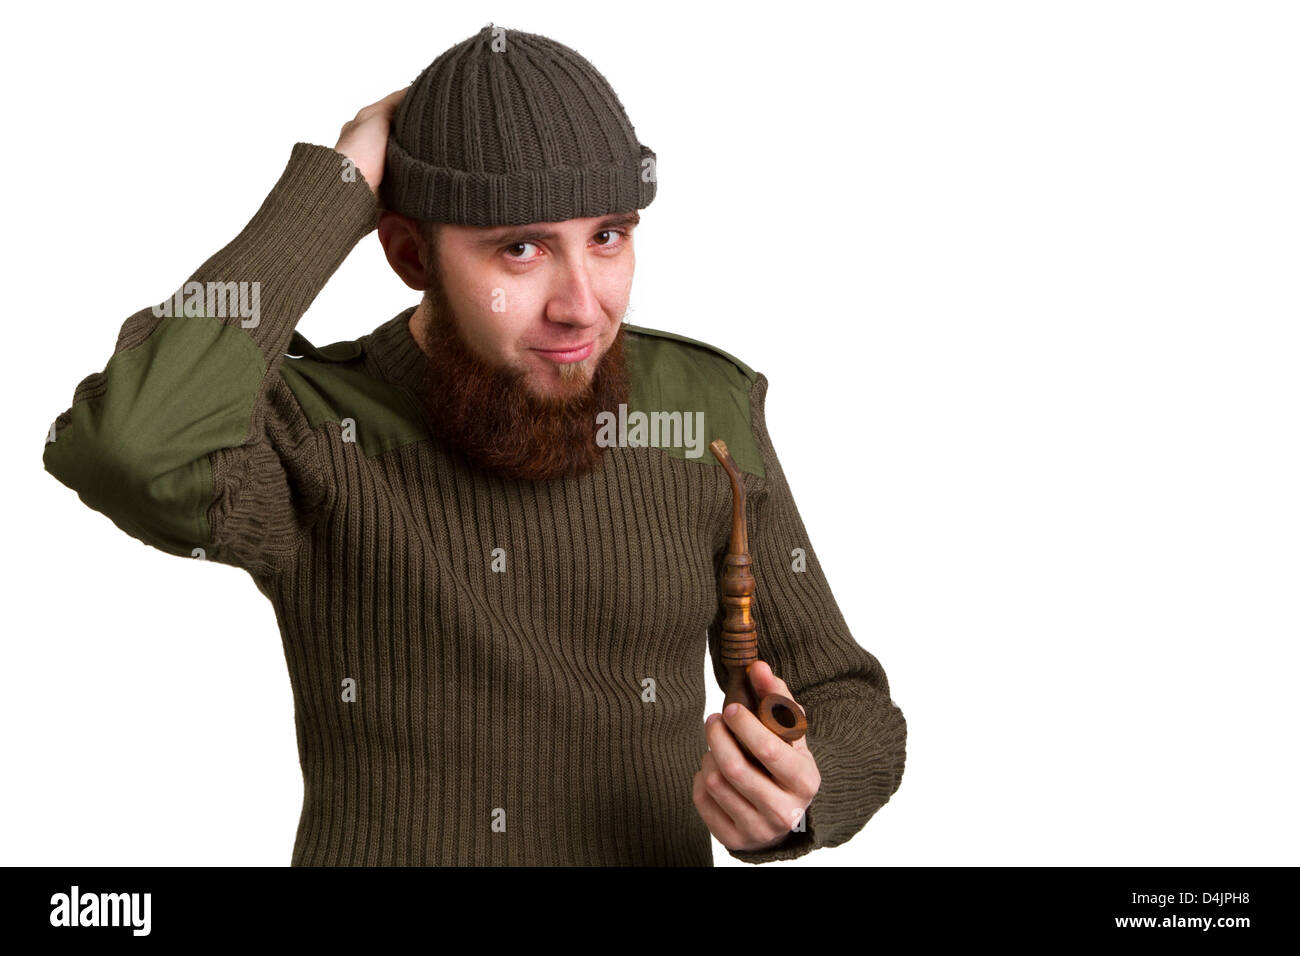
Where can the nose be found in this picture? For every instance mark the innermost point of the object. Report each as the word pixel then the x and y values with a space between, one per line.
pixel 573 300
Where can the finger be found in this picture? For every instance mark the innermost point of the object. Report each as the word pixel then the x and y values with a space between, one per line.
pixel 763 792
pixel 747 818
pixel 714 817
pixel 764 681
pixel 791 766
pixel 391 101
pixel 385 107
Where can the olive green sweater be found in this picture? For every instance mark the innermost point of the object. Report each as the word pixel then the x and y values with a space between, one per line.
pixel 484 671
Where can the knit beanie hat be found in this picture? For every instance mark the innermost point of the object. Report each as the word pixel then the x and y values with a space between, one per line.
pixel 507 128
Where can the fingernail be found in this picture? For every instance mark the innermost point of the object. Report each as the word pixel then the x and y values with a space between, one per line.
pixel 731 709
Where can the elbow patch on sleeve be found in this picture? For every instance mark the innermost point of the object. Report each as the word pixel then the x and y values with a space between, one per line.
pixel 137 451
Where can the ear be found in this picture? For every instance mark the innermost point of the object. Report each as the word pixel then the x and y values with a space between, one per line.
pixel 400 237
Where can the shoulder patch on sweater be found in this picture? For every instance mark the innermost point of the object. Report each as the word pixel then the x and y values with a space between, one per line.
pixel 660 333
pixel 331 387
pixel 688 389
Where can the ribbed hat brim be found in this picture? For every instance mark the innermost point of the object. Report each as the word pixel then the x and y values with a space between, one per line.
pixel 416 189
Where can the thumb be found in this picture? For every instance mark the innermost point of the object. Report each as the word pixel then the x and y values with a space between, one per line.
pixel 765 682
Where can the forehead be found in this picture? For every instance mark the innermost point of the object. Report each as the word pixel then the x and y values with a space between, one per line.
pixel 491 235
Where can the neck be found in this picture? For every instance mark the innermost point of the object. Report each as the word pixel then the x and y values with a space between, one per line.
pixel 418 324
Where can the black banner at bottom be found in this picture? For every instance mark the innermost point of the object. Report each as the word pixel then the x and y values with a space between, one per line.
pixel 1222 906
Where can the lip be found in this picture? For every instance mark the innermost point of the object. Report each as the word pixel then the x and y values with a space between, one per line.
pixel 575 354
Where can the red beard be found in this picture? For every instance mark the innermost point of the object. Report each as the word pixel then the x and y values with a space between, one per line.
pixel 490 415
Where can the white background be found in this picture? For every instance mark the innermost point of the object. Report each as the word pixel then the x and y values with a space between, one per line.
pixel 1023 277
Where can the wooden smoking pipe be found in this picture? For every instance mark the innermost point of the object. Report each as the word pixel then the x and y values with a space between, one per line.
pixel 778 714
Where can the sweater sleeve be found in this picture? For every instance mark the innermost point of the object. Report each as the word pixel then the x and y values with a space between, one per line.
pixel 856 732
pixel 189 439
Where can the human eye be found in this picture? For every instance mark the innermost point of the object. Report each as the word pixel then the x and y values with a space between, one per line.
pixel 627 236
pixel 509 247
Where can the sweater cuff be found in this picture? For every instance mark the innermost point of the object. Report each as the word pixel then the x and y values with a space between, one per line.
pixel 860 753
pixel 796 844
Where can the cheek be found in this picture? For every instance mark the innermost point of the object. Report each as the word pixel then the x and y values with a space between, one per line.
pixel 501 338
pixel 507 308
pixel 616 294
pixel 488 315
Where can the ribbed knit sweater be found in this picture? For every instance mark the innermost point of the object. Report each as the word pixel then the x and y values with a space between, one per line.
pixel 484 671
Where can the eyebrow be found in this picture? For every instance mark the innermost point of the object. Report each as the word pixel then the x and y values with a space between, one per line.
pixel 515 234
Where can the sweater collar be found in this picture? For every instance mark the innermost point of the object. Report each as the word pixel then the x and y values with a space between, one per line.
pixel 396 354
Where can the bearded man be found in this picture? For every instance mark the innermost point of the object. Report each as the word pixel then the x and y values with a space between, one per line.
pixel 494 616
